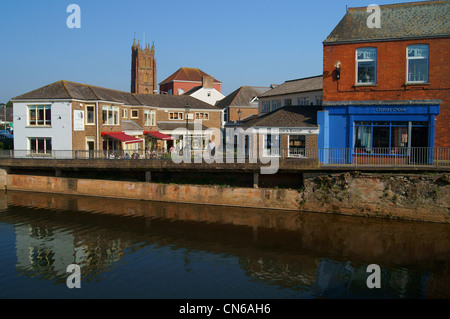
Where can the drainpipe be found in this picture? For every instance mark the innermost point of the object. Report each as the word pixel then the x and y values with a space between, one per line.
pixel 96 121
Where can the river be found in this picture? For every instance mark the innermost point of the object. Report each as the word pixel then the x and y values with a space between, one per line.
pixel 141 249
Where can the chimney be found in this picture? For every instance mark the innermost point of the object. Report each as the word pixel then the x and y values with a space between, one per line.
pixel 207 82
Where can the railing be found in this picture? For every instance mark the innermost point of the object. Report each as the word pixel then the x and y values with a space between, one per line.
pixel 376 157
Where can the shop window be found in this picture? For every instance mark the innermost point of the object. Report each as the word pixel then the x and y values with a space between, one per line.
pixel 366 65
pixel 417 56
pixel 389 137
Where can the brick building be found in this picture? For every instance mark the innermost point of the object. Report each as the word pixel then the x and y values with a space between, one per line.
pixel 66 116
pixel 185 79
pixel 241 103
pixel 388 88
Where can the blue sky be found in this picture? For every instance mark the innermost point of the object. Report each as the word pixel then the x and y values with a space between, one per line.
pixel 239 42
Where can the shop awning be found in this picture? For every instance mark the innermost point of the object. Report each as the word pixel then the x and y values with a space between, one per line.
pixel 159 135
pixel 121 136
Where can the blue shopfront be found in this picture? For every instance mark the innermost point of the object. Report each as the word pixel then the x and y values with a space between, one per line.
pixel 400 131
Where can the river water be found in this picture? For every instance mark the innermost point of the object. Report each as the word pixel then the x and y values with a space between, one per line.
pixel 140 249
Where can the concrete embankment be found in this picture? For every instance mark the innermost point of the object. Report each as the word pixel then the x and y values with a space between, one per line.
pixel 424 197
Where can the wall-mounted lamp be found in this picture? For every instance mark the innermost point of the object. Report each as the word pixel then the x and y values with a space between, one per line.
pixel 59 117
pixel 338 70
pixel 18 118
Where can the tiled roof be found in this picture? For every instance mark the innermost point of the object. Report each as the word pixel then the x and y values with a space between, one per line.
pixel 288 116
pixel 314 83
pixel 173 101
pixel 398 21
pixel 242 96
pixel 128 125
pixel 71 90
pixel 187 74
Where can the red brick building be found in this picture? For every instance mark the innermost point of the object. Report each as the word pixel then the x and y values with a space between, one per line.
pixel 389 86
pixel 185 79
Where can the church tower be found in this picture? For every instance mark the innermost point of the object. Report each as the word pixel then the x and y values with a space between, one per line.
pixel 143 69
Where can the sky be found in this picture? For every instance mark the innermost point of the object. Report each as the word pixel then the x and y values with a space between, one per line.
pixel 239 42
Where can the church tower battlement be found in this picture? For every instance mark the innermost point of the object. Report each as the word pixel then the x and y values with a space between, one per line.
pixel 143 69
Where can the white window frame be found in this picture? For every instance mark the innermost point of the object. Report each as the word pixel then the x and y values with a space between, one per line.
pixel 179 116
pixel 202 116
pixel 113 110
pixel 408 59
pixel 46 152
pixel 35 107
pixel 125 113
pixel 365 60
pixel 149 116
pixel 134 117
pixel 87 113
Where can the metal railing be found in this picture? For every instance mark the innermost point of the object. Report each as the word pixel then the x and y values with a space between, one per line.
pixel 355 157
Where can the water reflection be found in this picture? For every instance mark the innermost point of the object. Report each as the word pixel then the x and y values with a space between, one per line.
pixel 196 251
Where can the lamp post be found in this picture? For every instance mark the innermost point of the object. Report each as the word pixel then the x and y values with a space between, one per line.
pixel 187 110
pixel 239 115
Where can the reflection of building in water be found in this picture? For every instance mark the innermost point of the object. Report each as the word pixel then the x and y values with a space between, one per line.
pixel 47 251
pixel 297 274
pixel 333 278
pixel 43 250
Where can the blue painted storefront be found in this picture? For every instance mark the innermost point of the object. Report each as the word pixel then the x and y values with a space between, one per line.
pixel 337 123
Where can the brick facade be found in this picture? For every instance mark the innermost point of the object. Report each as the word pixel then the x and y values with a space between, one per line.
pixel 391 77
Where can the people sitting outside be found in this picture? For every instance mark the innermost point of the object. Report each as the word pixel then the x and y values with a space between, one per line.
pixel 127 156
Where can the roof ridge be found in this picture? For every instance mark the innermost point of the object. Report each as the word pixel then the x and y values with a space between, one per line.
pixel 239 91
pixel 63 82
pixel 401 4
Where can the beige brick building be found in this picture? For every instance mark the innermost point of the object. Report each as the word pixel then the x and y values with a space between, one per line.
pixel 67 116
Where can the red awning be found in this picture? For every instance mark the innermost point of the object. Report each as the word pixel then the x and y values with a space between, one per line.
pixel 159 135
pixel 121 136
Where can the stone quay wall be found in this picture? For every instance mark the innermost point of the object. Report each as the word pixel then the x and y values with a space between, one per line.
pixel 418 197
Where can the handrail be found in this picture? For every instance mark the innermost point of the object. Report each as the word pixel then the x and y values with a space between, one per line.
pixel 355 157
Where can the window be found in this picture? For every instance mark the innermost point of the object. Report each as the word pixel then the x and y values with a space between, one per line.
pixel 125 113
pixel 39 115
pixel 297 144
pixel 90 111
pixel 41 145
pixel 145 77
pixel 149 117
pixel 180 91
pixel 266 107
pixel 318 99
pixel 175 115
pixel 272 145
pixel 389 137
pixel 201 116
pixel 276 104
pixel 134 114
pixel 417 56
pixel 287 102
pixel 366 60
pixel 303 101
pixel 110 115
